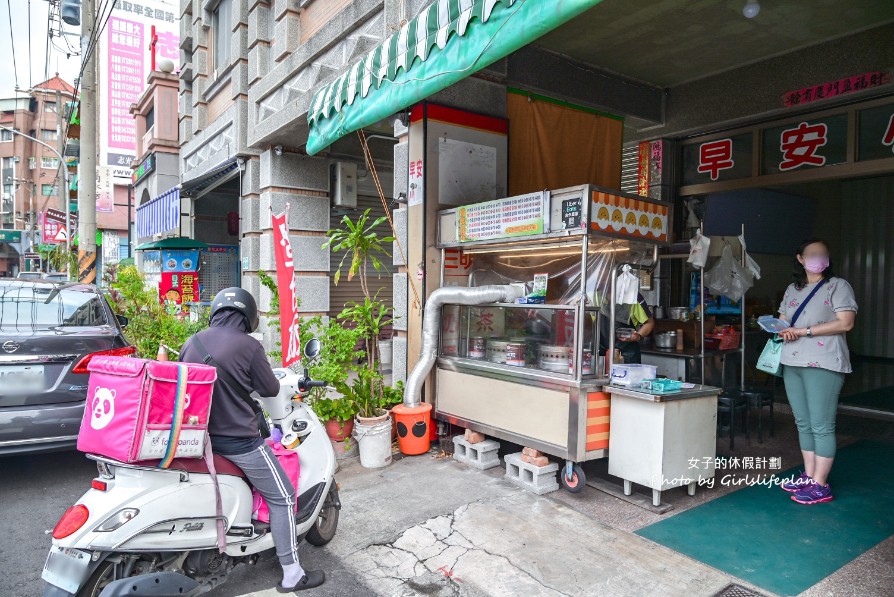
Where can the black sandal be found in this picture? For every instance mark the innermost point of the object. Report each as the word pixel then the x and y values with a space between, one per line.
pixel 311 580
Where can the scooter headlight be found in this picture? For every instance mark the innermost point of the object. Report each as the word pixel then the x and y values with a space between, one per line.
pixel 114 522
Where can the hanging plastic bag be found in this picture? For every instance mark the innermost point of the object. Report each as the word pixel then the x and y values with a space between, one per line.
pixel 728 278
pixel 698 251
pixel 750 264
pixel 627 289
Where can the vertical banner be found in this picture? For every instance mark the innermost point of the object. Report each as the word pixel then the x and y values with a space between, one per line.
pixel 285 282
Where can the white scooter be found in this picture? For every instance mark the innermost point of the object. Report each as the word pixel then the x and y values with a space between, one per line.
pixel 142 530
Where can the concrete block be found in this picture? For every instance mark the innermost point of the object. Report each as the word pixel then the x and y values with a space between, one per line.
pixel 400 301
pixel 536 479
pixel 252 283
pixel 401 168
pixel 294 171
pixel 399 359
pixel 305 212
pixel 280 7
pixel 250 214
pixel 400 225
pixel 251 178
pixel 314 293
pixel 238 44
pixel 258 24
pixel 482 456
pixel 308 252
pixel 286 36
pixel 258 63
pixel 250 248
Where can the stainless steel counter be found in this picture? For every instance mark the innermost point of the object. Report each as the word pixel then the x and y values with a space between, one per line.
pixel 699 391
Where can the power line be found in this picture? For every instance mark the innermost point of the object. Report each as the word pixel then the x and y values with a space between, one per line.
pixel 15 66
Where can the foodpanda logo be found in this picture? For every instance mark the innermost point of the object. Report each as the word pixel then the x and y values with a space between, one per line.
pixel 102 407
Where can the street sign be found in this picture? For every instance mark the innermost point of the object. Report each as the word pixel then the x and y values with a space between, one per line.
pixel 11 236
pixel 56 215
pixel 31 256
pixel 62 235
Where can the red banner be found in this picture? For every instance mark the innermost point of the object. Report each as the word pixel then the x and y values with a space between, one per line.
pixel 285 281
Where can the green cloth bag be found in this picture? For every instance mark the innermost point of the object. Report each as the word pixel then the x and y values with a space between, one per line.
pixel 770 360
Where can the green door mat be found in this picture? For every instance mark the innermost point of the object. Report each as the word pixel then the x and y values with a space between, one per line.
pixel 760 535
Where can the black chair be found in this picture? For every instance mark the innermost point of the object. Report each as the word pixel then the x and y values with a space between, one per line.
pixel 760 397
pixel 731 402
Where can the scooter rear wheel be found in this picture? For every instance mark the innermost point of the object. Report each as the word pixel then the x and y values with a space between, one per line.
pixel 101 577
pixel 326 524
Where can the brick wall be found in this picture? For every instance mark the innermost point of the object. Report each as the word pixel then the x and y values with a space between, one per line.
pixel 317 14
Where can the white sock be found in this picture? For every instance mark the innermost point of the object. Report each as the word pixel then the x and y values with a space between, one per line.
pixel 291 574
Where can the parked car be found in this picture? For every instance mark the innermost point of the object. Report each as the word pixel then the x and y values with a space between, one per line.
pixel 30 276
pixel 49 331
pixel 56 277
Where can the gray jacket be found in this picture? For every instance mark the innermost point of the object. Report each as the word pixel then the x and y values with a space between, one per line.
pixel 243 358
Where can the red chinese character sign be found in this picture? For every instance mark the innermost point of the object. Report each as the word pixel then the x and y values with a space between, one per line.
pixel 800 146
pixel 715 156
pixel 457 266
pixel 177 290
pixel 286 286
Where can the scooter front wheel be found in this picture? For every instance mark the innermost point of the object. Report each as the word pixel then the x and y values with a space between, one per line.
pixel 326 524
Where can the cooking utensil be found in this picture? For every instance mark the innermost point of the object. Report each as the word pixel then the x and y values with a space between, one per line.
pixel 666 340
pixel 678 313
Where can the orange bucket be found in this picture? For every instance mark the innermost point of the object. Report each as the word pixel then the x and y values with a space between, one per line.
pixel 413 425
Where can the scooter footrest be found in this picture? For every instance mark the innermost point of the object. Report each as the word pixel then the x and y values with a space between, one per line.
pixel 260 527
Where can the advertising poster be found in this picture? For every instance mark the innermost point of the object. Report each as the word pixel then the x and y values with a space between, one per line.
pixel 504 218
pixel 178 290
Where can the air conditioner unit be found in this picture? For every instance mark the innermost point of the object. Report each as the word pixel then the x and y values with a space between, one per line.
pixel 344 184
pixel 17 159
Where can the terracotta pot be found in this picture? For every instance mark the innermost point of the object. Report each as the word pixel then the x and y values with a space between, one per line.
pixel 338 431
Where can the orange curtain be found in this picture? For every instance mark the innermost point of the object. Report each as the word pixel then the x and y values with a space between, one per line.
pixel 552 146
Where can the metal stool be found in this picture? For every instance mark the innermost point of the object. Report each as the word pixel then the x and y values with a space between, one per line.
pixel 759 398
pixel 729 402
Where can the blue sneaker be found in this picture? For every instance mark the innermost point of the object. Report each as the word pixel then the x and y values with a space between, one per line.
pixel 814 494
pixel 799 483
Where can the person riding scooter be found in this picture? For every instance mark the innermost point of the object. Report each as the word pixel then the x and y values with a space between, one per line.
pixel 233 423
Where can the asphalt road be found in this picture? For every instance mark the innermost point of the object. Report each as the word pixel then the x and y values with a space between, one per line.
pixel 36 490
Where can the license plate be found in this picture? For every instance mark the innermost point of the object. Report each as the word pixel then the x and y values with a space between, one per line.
pixel 21 379
pixel 66 568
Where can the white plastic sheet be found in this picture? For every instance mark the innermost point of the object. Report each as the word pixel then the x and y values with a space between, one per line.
pixel 728 278
pixel 698 249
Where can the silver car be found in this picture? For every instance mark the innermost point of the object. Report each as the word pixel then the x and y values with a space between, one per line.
pixel 49 331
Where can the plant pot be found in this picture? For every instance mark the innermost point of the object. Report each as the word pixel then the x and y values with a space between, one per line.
pixel 386 353
pixel 338 430
pixel 370 421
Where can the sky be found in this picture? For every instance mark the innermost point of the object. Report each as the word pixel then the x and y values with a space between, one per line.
pixel 30 56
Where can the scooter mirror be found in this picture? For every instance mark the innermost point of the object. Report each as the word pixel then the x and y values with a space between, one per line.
pixel 312 348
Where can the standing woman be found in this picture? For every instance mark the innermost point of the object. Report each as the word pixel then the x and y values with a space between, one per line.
pixel 815 359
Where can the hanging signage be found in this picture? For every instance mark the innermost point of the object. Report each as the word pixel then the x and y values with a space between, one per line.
pixel 285 283
pixel 629 217
pixel 524 215
pixel 177 290
pixel 835 88
pixel 147 167
pixel 809 144
pixel 185 260
pixel 642 170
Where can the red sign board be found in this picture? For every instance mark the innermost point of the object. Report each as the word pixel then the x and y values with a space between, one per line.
pixel 178 289
pixel 285 283
pixel 836 88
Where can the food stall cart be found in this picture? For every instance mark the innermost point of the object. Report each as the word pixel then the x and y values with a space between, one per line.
pixel 533 372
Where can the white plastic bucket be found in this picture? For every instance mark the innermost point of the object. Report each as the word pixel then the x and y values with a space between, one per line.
pixel 375 443
pixel 386 353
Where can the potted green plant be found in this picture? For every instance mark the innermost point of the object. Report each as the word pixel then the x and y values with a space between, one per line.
pixel 337 414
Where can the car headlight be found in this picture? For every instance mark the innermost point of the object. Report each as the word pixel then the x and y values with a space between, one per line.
pixel 117 519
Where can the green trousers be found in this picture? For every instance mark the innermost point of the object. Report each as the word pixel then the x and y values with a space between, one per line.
pixel 813 395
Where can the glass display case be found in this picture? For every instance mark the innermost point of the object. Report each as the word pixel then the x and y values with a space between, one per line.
pixel 522 337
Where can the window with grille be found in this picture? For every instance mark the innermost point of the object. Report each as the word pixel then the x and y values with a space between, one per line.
pixel 47 162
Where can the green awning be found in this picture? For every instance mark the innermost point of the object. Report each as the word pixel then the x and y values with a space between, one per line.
pixel 177 242
pixel 446 42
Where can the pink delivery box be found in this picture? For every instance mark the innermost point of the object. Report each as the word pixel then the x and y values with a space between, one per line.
pixel 131 406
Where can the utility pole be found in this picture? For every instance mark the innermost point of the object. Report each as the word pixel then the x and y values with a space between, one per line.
pixel 87 178
pixel 60 140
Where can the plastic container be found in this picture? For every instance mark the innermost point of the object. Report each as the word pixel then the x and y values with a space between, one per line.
pixel 374 442
pixel 631 375
pixel 413 428
pixel 386 354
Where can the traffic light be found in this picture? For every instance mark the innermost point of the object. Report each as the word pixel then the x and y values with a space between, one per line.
pixel 71 12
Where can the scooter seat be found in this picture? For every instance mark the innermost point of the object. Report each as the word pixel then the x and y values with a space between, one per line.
pixel 197 465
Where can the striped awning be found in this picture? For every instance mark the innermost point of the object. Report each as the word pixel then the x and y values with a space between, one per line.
pixel 446 42
pixel 160 214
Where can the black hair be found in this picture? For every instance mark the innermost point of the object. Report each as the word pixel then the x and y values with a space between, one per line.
pixel 799 274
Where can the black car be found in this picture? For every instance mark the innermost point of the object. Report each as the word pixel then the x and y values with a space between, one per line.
pixel 49 331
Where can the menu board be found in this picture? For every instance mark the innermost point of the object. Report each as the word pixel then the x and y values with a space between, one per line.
pixel 180 261
pixel 571 213
pixel 524 215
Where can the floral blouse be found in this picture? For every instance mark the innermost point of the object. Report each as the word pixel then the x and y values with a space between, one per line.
pixel 827 352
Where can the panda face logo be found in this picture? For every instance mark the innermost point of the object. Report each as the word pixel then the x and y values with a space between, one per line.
pixel 102 408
